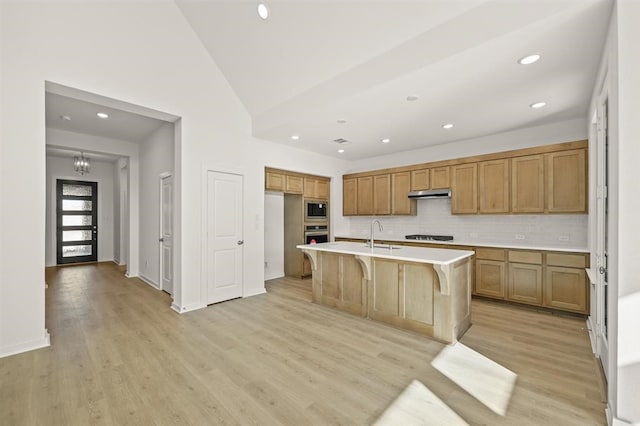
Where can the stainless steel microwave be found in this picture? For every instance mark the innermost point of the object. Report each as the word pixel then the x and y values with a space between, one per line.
pixel 315 210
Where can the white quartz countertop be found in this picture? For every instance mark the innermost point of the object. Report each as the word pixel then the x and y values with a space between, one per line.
pixel 473 243
pixel 434 256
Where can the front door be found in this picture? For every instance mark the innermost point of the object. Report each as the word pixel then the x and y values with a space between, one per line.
pixel 224 236
pixel 166 234
pixel 76 221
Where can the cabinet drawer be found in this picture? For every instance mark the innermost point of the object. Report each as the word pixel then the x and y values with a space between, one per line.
pixel 534 257
pixel 568 260
pixel 490 253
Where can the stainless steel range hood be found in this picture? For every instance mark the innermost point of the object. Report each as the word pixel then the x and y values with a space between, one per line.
pixel 432 193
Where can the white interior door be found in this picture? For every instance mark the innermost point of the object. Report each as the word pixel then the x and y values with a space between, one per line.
pixel 224 236
pixel 166 233
pixel 602 243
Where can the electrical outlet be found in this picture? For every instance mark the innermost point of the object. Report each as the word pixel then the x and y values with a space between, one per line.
pixel 519 236
pixel 473 235
pixel 563 238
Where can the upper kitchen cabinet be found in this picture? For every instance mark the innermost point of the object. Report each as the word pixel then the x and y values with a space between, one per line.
pixel 493 186
pixel 527 184
pixel 382 194
pixel 464 189
pixel 317 188
pixel 566 181
pixel 440 178
pixel 400 187
pixel 350 196
pixel 293 184
pixel 420 179
pixel 274 181
pixel 365 195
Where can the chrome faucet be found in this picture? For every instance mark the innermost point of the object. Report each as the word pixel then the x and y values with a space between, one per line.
pixel 371 240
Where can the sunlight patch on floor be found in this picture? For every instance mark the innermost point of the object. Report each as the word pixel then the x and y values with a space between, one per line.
pixel 486 380
pixel 417 405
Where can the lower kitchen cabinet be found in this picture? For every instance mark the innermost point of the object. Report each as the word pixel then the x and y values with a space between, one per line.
pixel 566 288
pixel 490 278
pixel 525 283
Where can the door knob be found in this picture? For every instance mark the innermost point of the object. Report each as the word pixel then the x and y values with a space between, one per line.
pixel 240 242
pixel 161 240
pixel 602 270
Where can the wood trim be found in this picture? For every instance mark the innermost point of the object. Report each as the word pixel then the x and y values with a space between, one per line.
pixel 565 146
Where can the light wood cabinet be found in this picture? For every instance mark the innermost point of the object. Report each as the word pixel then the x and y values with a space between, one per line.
pixel 525 279
pixel 340 284
pixel 400 187
pixel 527 184
pixel 490 278
pixel 382 194
pixel 565 288
pixel 316 188
pixel 274 181
pixel 294 184
pixel 464 189
pixel 440 178
pixel 420 180
pixel 566 181
pixel 364 188
pixel 350 196
pixel 493 186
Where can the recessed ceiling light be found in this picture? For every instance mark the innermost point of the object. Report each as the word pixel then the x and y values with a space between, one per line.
pixel 528 60
pixel 538 105
pixel 65 117
pixel 385 140
pixel 102 115
pixel 447 126
pixel 341 151
pixel 295 137
pixel 341 121
pixel 412 98
pixel 263 11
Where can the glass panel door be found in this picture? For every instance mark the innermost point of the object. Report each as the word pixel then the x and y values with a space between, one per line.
pixel 77 221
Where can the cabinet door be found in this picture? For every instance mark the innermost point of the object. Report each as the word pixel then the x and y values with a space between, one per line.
pixel 420 179
pixel 322 189
pixel 527 184
pixel 349 197
pixel 525 283
pixel 464 189
pixel 400 186
pixel 565 288
pixel 382 194
pixel 566 182
pixel 293 184
pixel 274 181
pixel 490 278
pixel 493 186
pixel 365 195
pixel 440 178
pixel 310 189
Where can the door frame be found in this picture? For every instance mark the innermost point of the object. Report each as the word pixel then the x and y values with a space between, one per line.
pixel 161 177
pixel 58 182
pixel 204 289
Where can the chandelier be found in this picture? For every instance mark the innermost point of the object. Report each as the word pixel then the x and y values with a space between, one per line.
pixel 81 164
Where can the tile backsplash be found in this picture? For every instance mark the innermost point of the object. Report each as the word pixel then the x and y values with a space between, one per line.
pixel 434 217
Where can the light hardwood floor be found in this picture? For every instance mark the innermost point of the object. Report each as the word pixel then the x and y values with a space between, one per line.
pixel 119 355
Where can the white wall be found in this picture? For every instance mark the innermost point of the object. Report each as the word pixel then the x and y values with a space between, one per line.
pixel 156 157
pixel 273 235
pixel 103 174
pixel 121 50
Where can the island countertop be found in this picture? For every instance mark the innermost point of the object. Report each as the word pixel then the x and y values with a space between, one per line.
pixel 434 256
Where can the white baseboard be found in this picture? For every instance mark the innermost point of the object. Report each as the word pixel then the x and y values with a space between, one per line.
pixel 274 275
pixel 255 292
pixel 592 334
pixel 26 346
pixel 188 308
pixel 149 281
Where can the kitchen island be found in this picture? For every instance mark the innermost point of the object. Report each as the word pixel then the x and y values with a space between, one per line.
pixel 426 290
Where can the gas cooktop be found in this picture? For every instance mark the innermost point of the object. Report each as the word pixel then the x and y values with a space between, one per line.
pixel 429 237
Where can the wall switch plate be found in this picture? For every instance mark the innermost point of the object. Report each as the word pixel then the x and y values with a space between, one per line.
pixel 563 238
pixel 519 236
